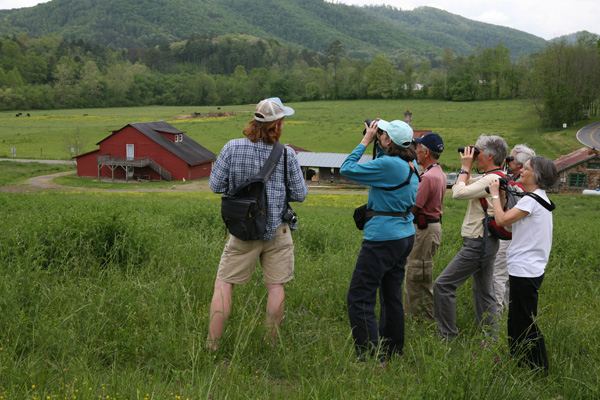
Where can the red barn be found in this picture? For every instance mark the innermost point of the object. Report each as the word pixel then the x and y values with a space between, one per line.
pixel 148 150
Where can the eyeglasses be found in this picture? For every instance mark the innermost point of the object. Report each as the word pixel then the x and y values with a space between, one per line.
pixel 510 158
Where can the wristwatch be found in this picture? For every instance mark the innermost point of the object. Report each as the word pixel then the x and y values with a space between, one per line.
pixel 495 197
pixel 462 171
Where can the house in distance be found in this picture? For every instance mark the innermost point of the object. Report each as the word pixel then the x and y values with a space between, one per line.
pixel 147 150
pixel 579 170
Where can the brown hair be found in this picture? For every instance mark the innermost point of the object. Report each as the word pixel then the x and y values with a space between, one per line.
pixel 405 153
pixel 269 132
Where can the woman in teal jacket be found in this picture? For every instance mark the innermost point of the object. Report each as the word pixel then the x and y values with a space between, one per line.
pixel 387 240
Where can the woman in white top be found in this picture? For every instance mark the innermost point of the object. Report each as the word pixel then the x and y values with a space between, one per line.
pixel 527 257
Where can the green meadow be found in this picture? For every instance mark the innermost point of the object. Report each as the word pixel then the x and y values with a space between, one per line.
pixel 333 126
pixel 106 294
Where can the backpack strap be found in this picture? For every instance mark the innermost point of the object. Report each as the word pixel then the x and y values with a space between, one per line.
pixel 285 178
pixel 267 169
pixel 412 170
pixel 285 182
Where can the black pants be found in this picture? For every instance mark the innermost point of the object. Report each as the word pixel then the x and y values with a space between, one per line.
pixel 380 265
pixel 525 339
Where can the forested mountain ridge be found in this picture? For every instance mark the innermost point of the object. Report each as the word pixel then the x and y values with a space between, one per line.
pixel 443 29
pixel 310 24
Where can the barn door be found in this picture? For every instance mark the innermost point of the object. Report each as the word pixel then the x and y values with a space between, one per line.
pixel 130 153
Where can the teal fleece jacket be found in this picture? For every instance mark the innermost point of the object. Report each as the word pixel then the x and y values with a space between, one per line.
pixel 384 171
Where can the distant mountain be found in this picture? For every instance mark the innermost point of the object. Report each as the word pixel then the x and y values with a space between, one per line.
pixel 310 24
pixel 574 37
pixel 443 29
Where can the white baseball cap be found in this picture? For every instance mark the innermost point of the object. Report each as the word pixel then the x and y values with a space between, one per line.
pixel 271 109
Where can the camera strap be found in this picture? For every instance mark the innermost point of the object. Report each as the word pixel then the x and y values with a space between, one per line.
pixel 548 206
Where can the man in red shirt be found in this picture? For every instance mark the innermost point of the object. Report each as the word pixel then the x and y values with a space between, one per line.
pixel 418 293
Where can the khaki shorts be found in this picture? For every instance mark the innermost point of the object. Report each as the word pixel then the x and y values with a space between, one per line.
pixel 276 258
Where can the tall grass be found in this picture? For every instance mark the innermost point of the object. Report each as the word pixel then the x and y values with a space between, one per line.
pixel 107 296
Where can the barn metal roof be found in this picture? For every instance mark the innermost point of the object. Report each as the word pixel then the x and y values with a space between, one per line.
pixel 570 160
pixel 326 160
pixel 188 150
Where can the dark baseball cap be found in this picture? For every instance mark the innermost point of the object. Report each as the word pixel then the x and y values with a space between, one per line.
pixel 432 141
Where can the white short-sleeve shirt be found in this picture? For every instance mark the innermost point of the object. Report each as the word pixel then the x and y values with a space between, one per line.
pixel 529 250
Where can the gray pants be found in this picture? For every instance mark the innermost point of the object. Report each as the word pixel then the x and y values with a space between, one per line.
pixel 501 282
pixel 465 264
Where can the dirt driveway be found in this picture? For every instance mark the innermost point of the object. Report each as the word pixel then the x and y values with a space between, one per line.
pixel 45 182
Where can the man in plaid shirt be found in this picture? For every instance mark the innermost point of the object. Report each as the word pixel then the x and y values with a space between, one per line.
pixel 239 160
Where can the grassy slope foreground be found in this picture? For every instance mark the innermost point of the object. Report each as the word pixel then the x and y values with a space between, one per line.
pixel 106 296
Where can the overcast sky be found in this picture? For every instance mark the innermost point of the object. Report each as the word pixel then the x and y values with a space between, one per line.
pixel 545 18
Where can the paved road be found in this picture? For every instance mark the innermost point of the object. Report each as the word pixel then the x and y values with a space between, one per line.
pixel 590 135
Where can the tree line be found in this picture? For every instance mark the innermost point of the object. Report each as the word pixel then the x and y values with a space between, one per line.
pixel 563 80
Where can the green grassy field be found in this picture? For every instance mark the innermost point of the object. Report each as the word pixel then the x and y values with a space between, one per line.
pixel 316 126
pixel 105 295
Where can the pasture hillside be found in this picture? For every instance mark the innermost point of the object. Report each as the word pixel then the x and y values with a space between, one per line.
pixel 332 126
pixel 106 295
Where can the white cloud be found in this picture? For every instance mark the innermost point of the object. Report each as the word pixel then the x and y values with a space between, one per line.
pixel 493 17
pixel 8 4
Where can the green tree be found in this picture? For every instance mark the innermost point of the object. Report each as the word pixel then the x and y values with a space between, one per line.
pixel 381 76
pixel 10 55
pixel 564 82
pixel 334 52
pixel 493 63
pixel 463 89
pixel 258 83
pixel 358 80
pixel 13 78
pixel 316 84
pixel 91 85
pixel 119 79
pixel 65 80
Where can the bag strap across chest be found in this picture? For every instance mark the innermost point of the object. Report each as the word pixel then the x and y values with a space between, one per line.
pixel 265 172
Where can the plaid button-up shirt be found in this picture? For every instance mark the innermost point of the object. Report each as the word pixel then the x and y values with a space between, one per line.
pixel 241 159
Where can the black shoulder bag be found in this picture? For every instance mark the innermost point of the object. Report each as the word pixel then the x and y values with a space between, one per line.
pixel 245 211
